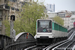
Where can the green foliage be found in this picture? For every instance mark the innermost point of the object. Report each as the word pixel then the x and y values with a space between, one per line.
pixel 7 26
pixel 59 20
pixel 17 26
pixel 9 5
pixel 27 20
pixel 29 15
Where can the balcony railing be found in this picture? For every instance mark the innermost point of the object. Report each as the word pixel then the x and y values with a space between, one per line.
pixel 4 7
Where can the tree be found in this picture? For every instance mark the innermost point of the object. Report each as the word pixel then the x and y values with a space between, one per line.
pixel 27 20
pixel 59 20
pixel 29 15
pixel 7 27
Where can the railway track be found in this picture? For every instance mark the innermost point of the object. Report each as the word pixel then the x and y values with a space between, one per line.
pixel 50 47
pixel 30 47
pixel 62 45
pixel 65 46
pixel 35 47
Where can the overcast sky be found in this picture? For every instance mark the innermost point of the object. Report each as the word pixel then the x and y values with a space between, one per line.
pixel 61 4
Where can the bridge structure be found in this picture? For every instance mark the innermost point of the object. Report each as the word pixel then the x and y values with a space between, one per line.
pixel 4 41
pixel 21 41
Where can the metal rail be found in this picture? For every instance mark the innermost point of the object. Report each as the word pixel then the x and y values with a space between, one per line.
pixel 58 45
pixel 65 46
pixel 53 45
pixel 61 46
pixel 19 45
pixel 35 47
pixel 30 47
pixel 69 46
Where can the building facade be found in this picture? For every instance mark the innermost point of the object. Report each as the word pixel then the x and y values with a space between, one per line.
pixel 50 7
pixel 66 22
pixel 73 12
pixel 72 20
pixel 65 15
pixel 14 9
pixel 4 13
pixel 61 14
pixel 51 15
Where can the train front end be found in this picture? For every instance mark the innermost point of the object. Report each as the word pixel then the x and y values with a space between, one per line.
pixel 43 31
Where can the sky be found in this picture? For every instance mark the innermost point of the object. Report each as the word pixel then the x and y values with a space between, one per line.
pixel 61 4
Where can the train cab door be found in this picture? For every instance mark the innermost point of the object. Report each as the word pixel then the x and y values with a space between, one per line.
pixel 50 26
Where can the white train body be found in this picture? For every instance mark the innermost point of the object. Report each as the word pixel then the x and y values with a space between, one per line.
pixel 53 30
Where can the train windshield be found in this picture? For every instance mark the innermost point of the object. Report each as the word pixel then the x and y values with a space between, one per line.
pixel 44 26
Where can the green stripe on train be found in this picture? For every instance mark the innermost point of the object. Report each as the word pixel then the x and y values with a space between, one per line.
pixel 52 25
pixel 57 27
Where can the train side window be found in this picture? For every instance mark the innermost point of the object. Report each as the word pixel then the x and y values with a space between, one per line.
pixel 50 24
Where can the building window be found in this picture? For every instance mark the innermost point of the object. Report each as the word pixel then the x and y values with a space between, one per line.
pixel 73 19
pixel 12 8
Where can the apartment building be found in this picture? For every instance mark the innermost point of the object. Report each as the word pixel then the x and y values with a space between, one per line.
pixel 72 20
pixel 51 15
pixel 13 7
pixel 73 12
pixel 50 7
pixel 4 12
pixel 66 21
pixel 65 15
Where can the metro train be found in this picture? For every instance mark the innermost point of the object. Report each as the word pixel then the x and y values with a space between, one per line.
pixel 49 31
